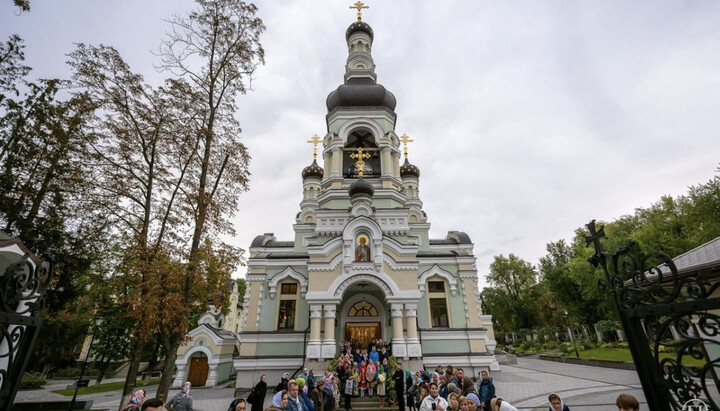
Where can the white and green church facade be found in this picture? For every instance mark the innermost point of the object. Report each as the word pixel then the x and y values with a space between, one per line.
pixel 362 264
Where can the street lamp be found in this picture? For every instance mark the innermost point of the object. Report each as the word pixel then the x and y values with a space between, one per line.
pixel 98 321
pixel 567 318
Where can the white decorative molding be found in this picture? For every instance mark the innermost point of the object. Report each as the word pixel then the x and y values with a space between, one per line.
pixel 385 287
pixel 329 266
pixel 414 350
pixel 395 266
pixel 402 250
pixel 394 224
pixel 399 349
pixel 358 122
pixel 467 274
pixel 330 225
pixel 287 273
pixel 329 310
pixel 328 350
pixel 411 310
pixel 316 311
pixel 396 310
pixel 437 271
pixel 259 306
pixel 313 351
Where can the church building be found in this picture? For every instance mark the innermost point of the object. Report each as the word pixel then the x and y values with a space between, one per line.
pixel 361 265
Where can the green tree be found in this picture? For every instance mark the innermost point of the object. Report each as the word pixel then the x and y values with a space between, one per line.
pixel 42 175
pixel 513 280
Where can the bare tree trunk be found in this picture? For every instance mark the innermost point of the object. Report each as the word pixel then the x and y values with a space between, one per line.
pixel 131 378
pixel 169 368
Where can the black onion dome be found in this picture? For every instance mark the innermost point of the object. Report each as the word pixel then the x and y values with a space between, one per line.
pixel 313 170
pixel 360 186
pixel 360 93
pixel 359 26
pixel 408 169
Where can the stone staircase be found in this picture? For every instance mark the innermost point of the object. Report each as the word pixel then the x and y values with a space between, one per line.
pixel 366 404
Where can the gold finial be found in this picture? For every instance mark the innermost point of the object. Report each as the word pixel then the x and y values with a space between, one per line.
pixel 360 163
pixel 359 6
pixel 314 141
pixel 406 139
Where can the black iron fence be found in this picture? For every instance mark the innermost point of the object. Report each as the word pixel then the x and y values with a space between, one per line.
pixel 651 297
pixel 22 290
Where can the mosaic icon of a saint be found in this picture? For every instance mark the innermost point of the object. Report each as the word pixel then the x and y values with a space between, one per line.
pixel 362 250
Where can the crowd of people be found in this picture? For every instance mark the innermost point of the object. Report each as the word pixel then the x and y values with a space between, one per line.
pixel 365 372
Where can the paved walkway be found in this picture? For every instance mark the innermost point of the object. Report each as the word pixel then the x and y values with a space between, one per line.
pixel 525 385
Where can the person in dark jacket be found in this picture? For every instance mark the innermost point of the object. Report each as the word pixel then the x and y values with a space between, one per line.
pixel 318 396
pixel 257 395
pixel 486 390
pixel 399 379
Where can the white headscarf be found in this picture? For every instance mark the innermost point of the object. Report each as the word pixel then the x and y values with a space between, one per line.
pixel 562 403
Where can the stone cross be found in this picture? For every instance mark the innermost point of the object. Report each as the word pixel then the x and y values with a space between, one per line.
pixel 406 139
pixel 360 163
pixel 359 6
pixel 314 141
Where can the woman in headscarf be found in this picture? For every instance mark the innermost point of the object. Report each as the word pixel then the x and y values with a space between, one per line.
pixel 257 395
pixel 468 386
pixel 556 403
pixel 182 401
pixel 280 401
pixel 136 401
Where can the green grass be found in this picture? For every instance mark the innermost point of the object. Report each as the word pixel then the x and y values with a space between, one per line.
pixel 623 354
pixel 110 386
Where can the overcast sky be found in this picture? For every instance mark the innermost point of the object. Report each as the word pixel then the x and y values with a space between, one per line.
pixel 530 118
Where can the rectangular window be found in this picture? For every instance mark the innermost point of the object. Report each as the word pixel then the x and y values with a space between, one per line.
pixel 436 286
pixel 286 317
pixel 439 313
pixel 290 288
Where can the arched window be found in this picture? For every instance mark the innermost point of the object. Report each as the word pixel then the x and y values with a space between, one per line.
pixel 361 138
pixel 363 309
pixel 287 305
pixel 437 301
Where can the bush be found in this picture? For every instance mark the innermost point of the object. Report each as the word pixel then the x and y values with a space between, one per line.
pixel 32 380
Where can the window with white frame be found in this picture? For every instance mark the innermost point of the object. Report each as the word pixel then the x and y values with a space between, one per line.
pixel 287 307
pixel 437 301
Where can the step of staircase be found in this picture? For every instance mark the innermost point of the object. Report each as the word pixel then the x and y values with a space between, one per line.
pixel 366 404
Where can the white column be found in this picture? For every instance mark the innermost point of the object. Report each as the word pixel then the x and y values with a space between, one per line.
pixel 329 347
pixel 336 162
pixel 388 168
pixel 399 348
pixel 413 343
pixel 313 347
pixel 212 376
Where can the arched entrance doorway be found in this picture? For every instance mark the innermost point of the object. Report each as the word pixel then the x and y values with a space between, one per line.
pixel 198 372
pixel 364 316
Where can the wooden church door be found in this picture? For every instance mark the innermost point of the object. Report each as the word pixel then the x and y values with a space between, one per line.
pixel 198 370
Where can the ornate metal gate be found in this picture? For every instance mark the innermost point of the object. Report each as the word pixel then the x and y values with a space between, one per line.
pixel 651 298
pixel 22 288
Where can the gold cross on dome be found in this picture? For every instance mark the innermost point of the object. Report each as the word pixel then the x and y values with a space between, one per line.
pixel 359 6
pixel 314 141
pixel 406 139
pixel 360 163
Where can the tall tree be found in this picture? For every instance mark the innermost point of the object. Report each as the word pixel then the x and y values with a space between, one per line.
pixel 139 162
pixel 214 52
